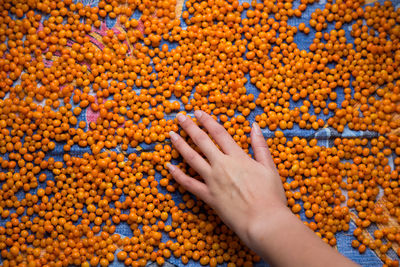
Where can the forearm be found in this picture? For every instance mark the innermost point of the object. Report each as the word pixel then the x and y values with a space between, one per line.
pixel 282 232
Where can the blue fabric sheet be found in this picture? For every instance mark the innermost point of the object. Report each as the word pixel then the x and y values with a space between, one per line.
pixel 325 137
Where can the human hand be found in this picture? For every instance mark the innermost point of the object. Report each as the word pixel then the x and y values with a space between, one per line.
pixel 243 191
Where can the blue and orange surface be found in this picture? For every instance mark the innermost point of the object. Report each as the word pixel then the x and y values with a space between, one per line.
pixel 325 135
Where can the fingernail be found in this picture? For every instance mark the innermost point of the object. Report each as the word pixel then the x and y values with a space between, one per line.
pixel 170 166
pixel 173 136
pixel 198 114
pixel 181 117
pixel 257 129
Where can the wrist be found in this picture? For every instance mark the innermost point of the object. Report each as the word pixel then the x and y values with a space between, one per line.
pixel 263 226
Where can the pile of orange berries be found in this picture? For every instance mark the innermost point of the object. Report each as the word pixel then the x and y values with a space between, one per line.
pixel 69 180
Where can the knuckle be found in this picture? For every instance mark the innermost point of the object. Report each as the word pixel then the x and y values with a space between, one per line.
pixel 174 171
pixel 179 176
pixel 205 119
pixel 260 144
pixel 219 161
pixel 178 144
pixel 187 183
pixel 190 156
pixel 217 130
pixel 199 137
pixel 185 123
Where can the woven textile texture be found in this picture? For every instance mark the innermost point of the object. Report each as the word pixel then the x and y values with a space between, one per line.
pixel 325 135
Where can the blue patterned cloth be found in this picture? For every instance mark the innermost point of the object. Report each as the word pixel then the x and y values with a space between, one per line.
pixel 325 137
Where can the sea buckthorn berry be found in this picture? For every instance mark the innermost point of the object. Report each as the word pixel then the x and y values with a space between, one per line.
pixel 86 111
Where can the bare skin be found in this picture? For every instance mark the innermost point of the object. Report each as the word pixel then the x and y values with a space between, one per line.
pixel 248 195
